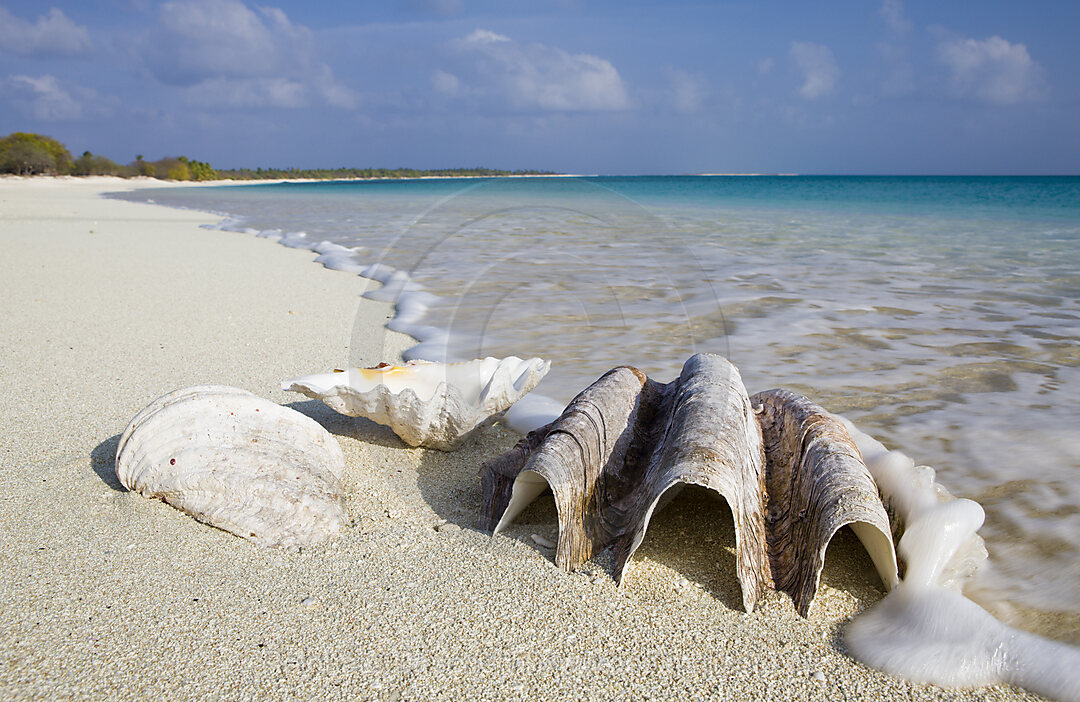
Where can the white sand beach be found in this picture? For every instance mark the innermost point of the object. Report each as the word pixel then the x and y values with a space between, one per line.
pixel 108 595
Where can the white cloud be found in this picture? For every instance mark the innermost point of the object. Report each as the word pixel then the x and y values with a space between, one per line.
pixel 892 11
pixel 484 36
pixel 818 68
pixel 765 66
pixel 47 99
pixel 198 40
pixel 687 91
pixel 52 35
pixel 536 75
pixel 992 70
pixel 224 52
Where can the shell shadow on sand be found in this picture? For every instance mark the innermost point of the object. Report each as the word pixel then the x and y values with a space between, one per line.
pixel 103 462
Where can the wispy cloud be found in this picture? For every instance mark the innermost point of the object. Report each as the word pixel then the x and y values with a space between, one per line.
pixel 540 76
pixel 892 11
pixel 51 35
pixel 243 93
pixel 445 83
pixel 992 70
pixel 197 40
pixel 224 52
pixel 440 8
pixel 817 65
pixel 484 36
pixel 900 78
pixel 48 99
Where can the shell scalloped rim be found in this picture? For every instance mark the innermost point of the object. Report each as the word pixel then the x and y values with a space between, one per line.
pixel 426 404
pixel 238 462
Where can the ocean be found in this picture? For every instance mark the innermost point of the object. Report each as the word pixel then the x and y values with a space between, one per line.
pixel 940 314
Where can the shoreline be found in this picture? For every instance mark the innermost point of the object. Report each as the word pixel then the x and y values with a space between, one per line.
pixel 113 303
pixel 143 182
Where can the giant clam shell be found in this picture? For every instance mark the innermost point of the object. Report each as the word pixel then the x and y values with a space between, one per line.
pixel 426 404
pixel 626 440
pixel 817 482
pixel 238 462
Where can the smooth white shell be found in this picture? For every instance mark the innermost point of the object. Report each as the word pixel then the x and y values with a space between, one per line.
pixel 426 404
pixel 239 462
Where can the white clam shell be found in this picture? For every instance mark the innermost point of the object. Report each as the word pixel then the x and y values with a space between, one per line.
pixel 426 404
pixel 238 462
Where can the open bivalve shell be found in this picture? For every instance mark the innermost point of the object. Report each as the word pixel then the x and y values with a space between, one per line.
pixel 238 462
pixel 788 469
pixel 426 404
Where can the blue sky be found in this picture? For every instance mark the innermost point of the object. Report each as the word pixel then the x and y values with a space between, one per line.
pixel 867 86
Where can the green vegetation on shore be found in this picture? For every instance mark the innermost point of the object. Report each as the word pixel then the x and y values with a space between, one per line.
pixel 24 153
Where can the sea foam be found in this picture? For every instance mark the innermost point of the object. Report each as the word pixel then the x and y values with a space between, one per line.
pixel 925 630
pixel 411 302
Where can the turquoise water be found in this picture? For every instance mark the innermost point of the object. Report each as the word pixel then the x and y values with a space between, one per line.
pixel 942 315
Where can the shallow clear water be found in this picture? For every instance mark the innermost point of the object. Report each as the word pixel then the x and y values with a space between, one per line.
pixel 942 315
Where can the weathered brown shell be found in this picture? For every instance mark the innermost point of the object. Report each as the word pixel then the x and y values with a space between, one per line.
pixel 816 482
pixel 625 440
